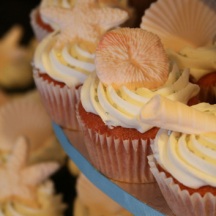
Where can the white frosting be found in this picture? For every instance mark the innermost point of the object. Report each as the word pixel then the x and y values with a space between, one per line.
pixel 191 159
pixel 200 61
pixel 49 204
pixel 122 107
pixel 69 64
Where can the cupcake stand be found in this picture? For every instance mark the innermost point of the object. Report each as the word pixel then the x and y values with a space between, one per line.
pixel 139 199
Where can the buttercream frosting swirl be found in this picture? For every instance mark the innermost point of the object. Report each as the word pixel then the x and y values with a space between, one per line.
pixel 200 61
pixel 190 158
pixel 69 64
pixel 122 107
pixel 49 204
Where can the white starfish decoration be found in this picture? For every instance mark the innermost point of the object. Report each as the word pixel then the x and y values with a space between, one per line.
pixel 18 181
pixel 87 20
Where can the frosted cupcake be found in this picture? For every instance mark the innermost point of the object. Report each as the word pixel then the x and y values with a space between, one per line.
pixel 91 201
pixel 187 30
pixel 183 160
pixel 65 58
pixel 127 76
pixel 25 189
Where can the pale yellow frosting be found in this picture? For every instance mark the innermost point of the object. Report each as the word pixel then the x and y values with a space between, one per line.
pixel 190 158
pixel 200 61
pixel 122 107
pixel 70 64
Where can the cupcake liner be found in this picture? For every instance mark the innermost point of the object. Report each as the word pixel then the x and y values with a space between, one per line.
pixel 182 23
pixel 120 160
pixel 60 102
pixel 180 201
pixel 27 117
pixel 39 31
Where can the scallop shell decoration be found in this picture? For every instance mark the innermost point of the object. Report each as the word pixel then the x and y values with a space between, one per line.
pixel 181 23
pixel 23 116
pixel 131 57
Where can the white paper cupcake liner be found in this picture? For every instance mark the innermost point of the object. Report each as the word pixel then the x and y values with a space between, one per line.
pixel 26 116
pixel 120 160
pixel 182 23
pixel 38 30
pixel 60 103
pixel 180 201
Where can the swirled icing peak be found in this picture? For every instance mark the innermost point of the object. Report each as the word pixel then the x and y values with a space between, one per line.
pixel 176 116
pixel 201 60
pixel 132 57
pixel 86 21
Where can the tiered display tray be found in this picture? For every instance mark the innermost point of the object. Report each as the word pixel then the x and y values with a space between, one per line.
pixel 139 199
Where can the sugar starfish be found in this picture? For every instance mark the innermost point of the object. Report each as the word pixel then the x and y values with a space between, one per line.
pixel 18 181
pixel 86 20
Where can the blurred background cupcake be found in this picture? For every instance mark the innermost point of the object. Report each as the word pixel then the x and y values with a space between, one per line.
pixel 27 189
pixel 127 76
pixel 91 201
pixel 187 31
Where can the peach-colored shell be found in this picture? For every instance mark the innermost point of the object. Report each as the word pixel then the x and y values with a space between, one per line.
pixel 132 57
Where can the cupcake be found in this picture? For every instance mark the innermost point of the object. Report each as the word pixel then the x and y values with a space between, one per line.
pixel 26 189
pixel 65 58
pixel 91 201
pixel 183 160
pixel 131 67
pixel 26 116
pixel 187 30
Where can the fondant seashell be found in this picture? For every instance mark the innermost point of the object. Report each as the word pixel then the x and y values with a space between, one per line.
pixel 182 23
pixel 131 57
pixel 176 116
pixel 27 117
